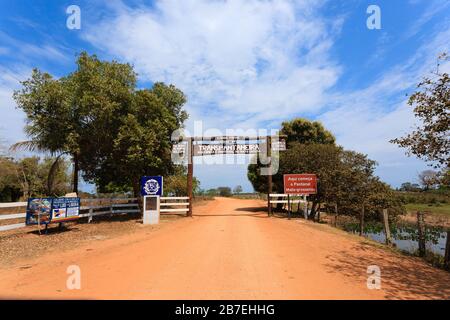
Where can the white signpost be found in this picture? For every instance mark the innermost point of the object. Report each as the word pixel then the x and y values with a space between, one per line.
pixel 151 190
pixel 151 209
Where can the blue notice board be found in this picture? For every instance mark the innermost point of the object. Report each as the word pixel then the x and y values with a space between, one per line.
pixel 39 211
pixel 64 209
pixel 152 186
pixel 52 210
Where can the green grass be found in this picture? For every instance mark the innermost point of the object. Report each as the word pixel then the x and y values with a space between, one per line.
pixel 443 209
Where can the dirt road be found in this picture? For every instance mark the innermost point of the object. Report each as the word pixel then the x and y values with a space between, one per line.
pixel 230 249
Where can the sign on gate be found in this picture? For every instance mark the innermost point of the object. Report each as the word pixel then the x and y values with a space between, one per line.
pixel 152 186
pixel 300 184
pixel 279 145
pixel 225 148
pixel 180 150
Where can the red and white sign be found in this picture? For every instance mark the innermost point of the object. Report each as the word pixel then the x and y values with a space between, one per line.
pixel 300 183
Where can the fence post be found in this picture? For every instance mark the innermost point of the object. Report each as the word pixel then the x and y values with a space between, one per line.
pixel 447 252
pixel 335 215
pixel 90 215
pixel 421 232
pixel 361 222
pixel 269 176
pixel 289 207
pixel 111 208
pixel 306 207
pixel 387 230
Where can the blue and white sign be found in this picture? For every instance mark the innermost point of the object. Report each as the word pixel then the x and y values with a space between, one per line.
pixel 152 186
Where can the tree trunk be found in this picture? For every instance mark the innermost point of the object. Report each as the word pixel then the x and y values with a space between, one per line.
pixel 312 215
pixel 421 233
pixel 75 172
pixel 335 215
pixel 361 222
pixel 137 194
pixel 447 252
pixel 387 230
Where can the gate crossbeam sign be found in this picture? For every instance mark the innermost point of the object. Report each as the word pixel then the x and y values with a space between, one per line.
pixel 189 147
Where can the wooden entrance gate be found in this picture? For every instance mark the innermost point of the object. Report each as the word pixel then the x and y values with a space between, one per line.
pixel 203 146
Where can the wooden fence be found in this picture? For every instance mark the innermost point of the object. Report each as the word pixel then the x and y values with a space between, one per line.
pixel 97 207
pixel 89 209
pixel 275 198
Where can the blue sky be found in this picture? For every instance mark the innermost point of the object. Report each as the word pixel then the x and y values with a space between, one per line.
pixel 246 64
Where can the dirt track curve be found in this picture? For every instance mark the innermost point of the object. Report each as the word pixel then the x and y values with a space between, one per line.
pixel 230 249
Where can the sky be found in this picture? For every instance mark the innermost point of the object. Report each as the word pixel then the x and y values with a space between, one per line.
pixel 246 64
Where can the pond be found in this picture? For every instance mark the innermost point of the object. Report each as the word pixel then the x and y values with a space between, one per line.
pixel 405 236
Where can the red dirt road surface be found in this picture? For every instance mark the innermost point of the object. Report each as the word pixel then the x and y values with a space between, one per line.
pixel 230 249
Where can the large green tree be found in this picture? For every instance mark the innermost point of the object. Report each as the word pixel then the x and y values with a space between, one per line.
pixel 142 144
pixel 303 131
pixel 346 180
pixel 72 115
pixel 113 132
pixel 297 131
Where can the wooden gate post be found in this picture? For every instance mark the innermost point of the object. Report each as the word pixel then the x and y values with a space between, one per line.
pixel 269 177
pixel 421 232
pixel 387 230
pixel 190 174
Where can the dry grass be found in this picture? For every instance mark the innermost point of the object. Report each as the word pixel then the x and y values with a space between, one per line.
pixel 25 243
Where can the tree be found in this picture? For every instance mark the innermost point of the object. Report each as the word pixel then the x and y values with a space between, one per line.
pixel 142 144
pixel 10 190
pixel 431 103
pixel 320 159
pixel 429 179
pixel 113 132
pixel 444 182
pixel 71 115
pixel 408 186
pixel 237 189
pixel 345 178
pixel 175 184
pixel 224 191
pixel 303 131
pixel 212 192
pixel 29 177
pixel 346 181
pixel 297 131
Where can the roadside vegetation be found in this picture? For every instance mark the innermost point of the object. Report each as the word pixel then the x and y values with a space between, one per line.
pixel 32 177
pixel 111 131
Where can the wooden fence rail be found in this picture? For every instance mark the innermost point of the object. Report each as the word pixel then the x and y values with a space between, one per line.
pixel 167 203
pixel 110 207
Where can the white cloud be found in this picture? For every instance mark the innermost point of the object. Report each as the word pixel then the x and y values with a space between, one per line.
pixel 12 120
pixel 365 120
pixel 24 51
pixel 434 7
pixel 253 63
pixel 260 60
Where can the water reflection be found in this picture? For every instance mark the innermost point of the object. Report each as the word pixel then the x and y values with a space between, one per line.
pixel 405 236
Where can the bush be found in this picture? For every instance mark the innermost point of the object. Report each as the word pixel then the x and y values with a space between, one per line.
pixel 224 191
